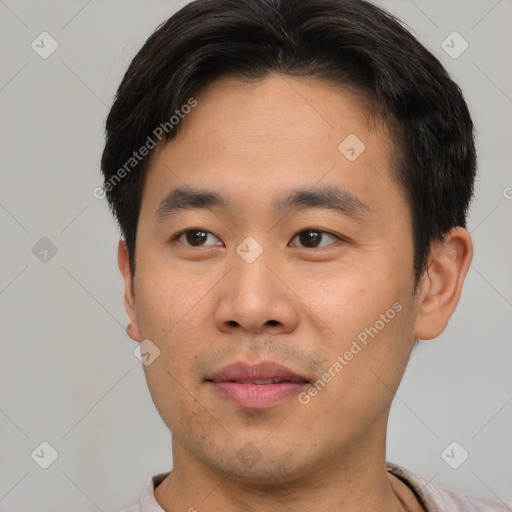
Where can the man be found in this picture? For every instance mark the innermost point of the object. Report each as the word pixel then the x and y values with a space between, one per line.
pixel 291 178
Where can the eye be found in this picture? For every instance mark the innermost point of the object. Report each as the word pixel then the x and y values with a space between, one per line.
pixel 194 237
pixel 311 238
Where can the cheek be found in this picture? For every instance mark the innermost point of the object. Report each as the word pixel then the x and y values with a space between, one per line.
pixel 349 299
pixel 174 311
pixel 167 301
pixel 169 313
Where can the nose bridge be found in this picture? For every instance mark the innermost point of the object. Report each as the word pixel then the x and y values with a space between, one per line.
pixel 252 280
pixel 252 297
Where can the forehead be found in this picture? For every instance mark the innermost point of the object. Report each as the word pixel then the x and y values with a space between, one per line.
pixel 276 133
pixel 278 108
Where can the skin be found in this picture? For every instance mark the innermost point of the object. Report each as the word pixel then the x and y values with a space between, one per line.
pixel 299 304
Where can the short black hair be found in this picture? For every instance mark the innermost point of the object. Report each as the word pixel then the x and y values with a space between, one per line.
pixel 351 43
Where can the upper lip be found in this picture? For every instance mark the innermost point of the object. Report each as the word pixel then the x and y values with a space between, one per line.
pixel 244 372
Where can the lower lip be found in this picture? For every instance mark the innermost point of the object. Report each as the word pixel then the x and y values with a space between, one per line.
pixel 258 396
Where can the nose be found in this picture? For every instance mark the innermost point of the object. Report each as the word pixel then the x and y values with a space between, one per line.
pixel 255 298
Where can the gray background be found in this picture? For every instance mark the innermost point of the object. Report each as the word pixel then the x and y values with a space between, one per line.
pixel 68 375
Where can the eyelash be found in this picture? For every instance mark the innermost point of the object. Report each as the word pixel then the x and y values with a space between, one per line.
pixel 307 230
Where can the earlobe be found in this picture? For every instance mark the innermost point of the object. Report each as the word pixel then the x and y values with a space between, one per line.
pixel 123 261
pixel 442 284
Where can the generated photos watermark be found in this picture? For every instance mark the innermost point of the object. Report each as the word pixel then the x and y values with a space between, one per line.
pixel 355 348
pixel 144 150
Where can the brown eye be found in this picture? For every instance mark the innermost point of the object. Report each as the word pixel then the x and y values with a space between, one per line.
pixel 312 238
pixel 195 237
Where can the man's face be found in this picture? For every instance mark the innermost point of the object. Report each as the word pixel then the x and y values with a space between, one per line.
pixel 313 285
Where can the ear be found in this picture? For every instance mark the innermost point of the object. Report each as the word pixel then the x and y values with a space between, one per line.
pixel 442 283
pixel 123 261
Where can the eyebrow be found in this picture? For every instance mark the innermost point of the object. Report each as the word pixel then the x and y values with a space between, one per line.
pixel 327 197
pixel 181 199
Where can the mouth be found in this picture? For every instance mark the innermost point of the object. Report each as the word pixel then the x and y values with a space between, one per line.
pixel 261 386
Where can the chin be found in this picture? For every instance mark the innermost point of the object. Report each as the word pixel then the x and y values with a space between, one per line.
pixel 266 470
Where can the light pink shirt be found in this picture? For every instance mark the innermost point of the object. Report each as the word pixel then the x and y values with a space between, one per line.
pixel 434 498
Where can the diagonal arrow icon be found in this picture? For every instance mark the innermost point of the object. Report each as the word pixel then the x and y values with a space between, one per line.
pixel 249 455
pixel 249 249
pixel 454 45
pixel 44 45
pixel 454 455
pixel 44 250
pixel 44 455
pixel 351 147
pixel 146 352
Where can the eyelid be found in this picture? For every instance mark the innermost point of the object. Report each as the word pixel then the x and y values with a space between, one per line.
pixel 339 238
pixel 183 231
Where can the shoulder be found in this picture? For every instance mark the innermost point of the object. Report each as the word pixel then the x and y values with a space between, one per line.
pixel 147 502
pixel 436 498
pixel 461 501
